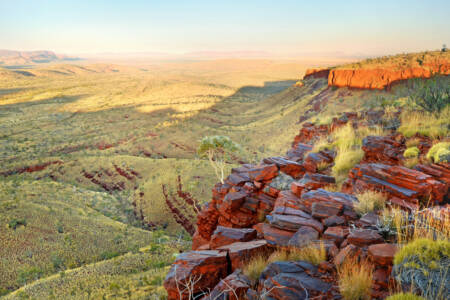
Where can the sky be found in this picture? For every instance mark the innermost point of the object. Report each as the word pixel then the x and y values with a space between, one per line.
pixel 176 26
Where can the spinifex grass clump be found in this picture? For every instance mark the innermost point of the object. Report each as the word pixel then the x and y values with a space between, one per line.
pixel 404 296
pixel 347 142
pixel 355 279
pixel 423 265
pixel 425 123
pixel 440 152
pixel 369 201
pixel 313 254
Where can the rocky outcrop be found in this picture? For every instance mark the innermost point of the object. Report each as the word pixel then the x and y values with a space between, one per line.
pixel 282 203
pixel 385 149
pixel 397 181
pixel 381 78
pixel 317 73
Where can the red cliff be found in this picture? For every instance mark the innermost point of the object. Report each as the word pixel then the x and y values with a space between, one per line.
pixel 380 78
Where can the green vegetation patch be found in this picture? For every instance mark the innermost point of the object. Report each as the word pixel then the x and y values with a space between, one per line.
pixel 411 152
pixel 62 230
pixel 440 152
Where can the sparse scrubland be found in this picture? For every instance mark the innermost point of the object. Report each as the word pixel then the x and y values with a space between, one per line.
pixel 101 179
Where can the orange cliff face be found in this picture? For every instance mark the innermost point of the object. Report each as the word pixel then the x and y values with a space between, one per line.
pixel 382 73
pixel 381 78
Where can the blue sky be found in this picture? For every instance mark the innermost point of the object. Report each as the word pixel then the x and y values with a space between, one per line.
pixel 352 27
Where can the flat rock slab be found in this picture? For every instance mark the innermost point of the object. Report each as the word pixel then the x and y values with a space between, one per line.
pixel 225 235
pixel 382 254
pixel 321 195
pixel 290 222
pixel 207 266
pixel 364 237
pixel 324 210
pixel 292 281
pixel 275 236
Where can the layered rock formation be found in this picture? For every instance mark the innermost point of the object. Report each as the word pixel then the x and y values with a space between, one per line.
pixel 283 203
pixel 380 78
pixel 368 75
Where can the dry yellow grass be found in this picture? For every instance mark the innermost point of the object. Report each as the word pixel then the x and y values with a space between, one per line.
pixel 370 201
pixel 355 279
pixel 431 125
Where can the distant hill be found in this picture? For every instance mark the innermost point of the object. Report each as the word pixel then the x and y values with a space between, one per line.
pixel 13 58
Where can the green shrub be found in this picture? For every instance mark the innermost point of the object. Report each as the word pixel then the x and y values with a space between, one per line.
pixel 423 265
pixel 3 291
pixel 14 223
pixel 411 152
pixel 432 95
pixel 109 254
pixel 29 274
pixel 404 296
pixel 218 149
pixel 440 152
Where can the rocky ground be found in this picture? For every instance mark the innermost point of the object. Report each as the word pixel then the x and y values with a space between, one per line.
pixel 291 202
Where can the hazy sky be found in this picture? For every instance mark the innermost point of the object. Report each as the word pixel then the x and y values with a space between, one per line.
pixel 283 26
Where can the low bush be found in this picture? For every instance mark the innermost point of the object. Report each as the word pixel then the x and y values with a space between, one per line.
pixel 355 279
pixel 423 265
pixel 369 201
pixel 411 162
pixel 14 223
pixel 314 254
pixel 411 152
pixel 27 275
pixel 440 152
pixel 431 95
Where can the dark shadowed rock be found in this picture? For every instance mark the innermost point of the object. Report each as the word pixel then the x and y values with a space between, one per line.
pixel 333 221
pixel 323 210
pixel 292 282
pixel 241 252
pixel 235 284
pixel 303 236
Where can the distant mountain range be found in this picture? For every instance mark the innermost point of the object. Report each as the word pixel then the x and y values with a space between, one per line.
pixel 12 57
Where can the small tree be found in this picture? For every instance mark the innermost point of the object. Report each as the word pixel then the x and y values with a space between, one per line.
pixel 444 48
pixel 432 95
pixel 218 149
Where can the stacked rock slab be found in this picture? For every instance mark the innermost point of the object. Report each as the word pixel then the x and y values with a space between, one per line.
pixel 399 182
